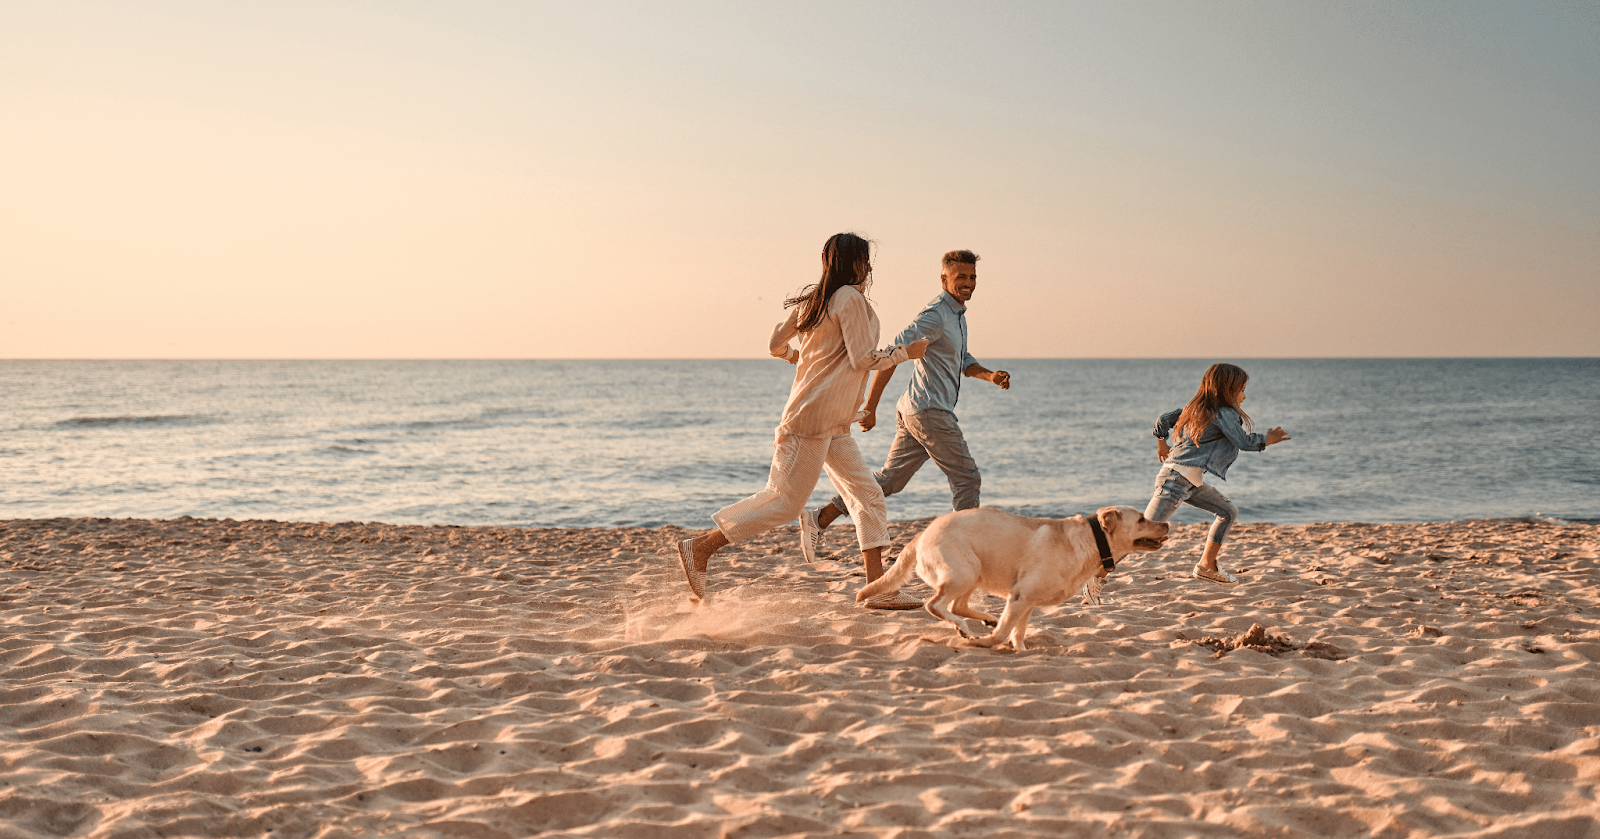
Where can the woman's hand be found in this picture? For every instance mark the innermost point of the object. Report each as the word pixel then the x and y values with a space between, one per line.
pixel 869 418
pixel 1276 435
pixel 917 348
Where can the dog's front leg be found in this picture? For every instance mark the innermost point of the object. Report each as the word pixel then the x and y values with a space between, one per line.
pixel 1022 628
pixel 1013 622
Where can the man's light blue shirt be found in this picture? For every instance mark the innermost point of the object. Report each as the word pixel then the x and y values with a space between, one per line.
pixel 936 380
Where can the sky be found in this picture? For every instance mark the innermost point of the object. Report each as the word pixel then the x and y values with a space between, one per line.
pixel 650 180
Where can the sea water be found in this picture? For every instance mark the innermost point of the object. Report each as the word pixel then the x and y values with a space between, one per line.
pixel 647 443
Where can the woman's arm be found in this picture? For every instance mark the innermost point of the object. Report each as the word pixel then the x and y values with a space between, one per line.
pixel 778 345
pixel 855 327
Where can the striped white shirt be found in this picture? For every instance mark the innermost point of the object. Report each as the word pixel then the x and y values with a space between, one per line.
pixel 834 360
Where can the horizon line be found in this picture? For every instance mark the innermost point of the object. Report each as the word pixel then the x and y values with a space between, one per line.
pixel 766 358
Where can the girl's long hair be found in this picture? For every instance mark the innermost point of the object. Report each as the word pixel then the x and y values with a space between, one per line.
pixel 1220 388
pixel 839 257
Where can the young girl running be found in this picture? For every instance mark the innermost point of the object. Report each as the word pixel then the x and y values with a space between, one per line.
pixel 1207 436
pixel 838 334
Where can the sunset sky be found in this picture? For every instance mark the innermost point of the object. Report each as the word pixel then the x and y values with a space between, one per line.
pixel 648 180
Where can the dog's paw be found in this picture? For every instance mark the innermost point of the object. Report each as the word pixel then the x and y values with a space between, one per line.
pixel 971 629
pixel 989 641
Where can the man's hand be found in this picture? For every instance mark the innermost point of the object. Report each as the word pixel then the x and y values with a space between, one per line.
pixel 870 419
pixel 999 377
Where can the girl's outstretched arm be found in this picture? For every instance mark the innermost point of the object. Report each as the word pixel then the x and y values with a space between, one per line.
pixel 1165 422
pixel 1227 421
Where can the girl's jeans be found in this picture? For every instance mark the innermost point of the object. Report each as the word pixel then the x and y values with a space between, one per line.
pixel 1173 489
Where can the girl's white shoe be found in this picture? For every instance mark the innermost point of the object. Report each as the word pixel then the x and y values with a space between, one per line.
pixel 1091 591
pixel 1219 576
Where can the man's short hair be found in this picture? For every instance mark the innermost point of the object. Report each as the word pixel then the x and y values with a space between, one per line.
pixel 954 257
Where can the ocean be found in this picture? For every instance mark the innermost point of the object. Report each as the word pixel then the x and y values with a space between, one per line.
pixel 648 443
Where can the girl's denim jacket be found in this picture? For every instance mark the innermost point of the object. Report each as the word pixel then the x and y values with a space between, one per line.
pixel 1218 447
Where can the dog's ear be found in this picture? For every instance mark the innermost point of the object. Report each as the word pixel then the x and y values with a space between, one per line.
pixel 1109 519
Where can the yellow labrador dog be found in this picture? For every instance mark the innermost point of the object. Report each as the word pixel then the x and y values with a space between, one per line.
pixel 1037 562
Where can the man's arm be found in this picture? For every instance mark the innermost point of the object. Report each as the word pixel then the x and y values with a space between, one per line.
pixel 999 377
pixel 927 324
pixel 880 381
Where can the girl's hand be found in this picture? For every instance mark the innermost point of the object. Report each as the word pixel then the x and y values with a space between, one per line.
pixel 1162 450
pixel 917 348
pixel 1276 435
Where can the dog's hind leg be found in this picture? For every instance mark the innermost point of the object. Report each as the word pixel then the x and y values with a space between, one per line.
pixel 939 606
pixel 961 608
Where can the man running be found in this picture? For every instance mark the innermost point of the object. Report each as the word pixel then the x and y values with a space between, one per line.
pixel 925 420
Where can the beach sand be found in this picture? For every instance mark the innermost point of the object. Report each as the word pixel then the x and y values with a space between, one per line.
pixel 223 678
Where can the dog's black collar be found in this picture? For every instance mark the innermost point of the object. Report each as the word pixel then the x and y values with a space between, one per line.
pixel 1100 542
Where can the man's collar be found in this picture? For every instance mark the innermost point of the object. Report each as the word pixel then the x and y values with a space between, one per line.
pixel 950 300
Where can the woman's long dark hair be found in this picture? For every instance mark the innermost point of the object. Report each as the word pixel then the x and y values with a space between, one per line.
pixel 839 258
pixel 1220 388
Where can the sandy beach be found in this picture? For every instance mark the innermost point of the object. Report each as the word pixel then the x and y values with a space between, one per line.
pixel 243 678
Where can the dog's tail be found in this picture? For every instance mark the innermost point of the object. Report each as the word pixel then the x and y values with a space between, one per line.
pixel 896 576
